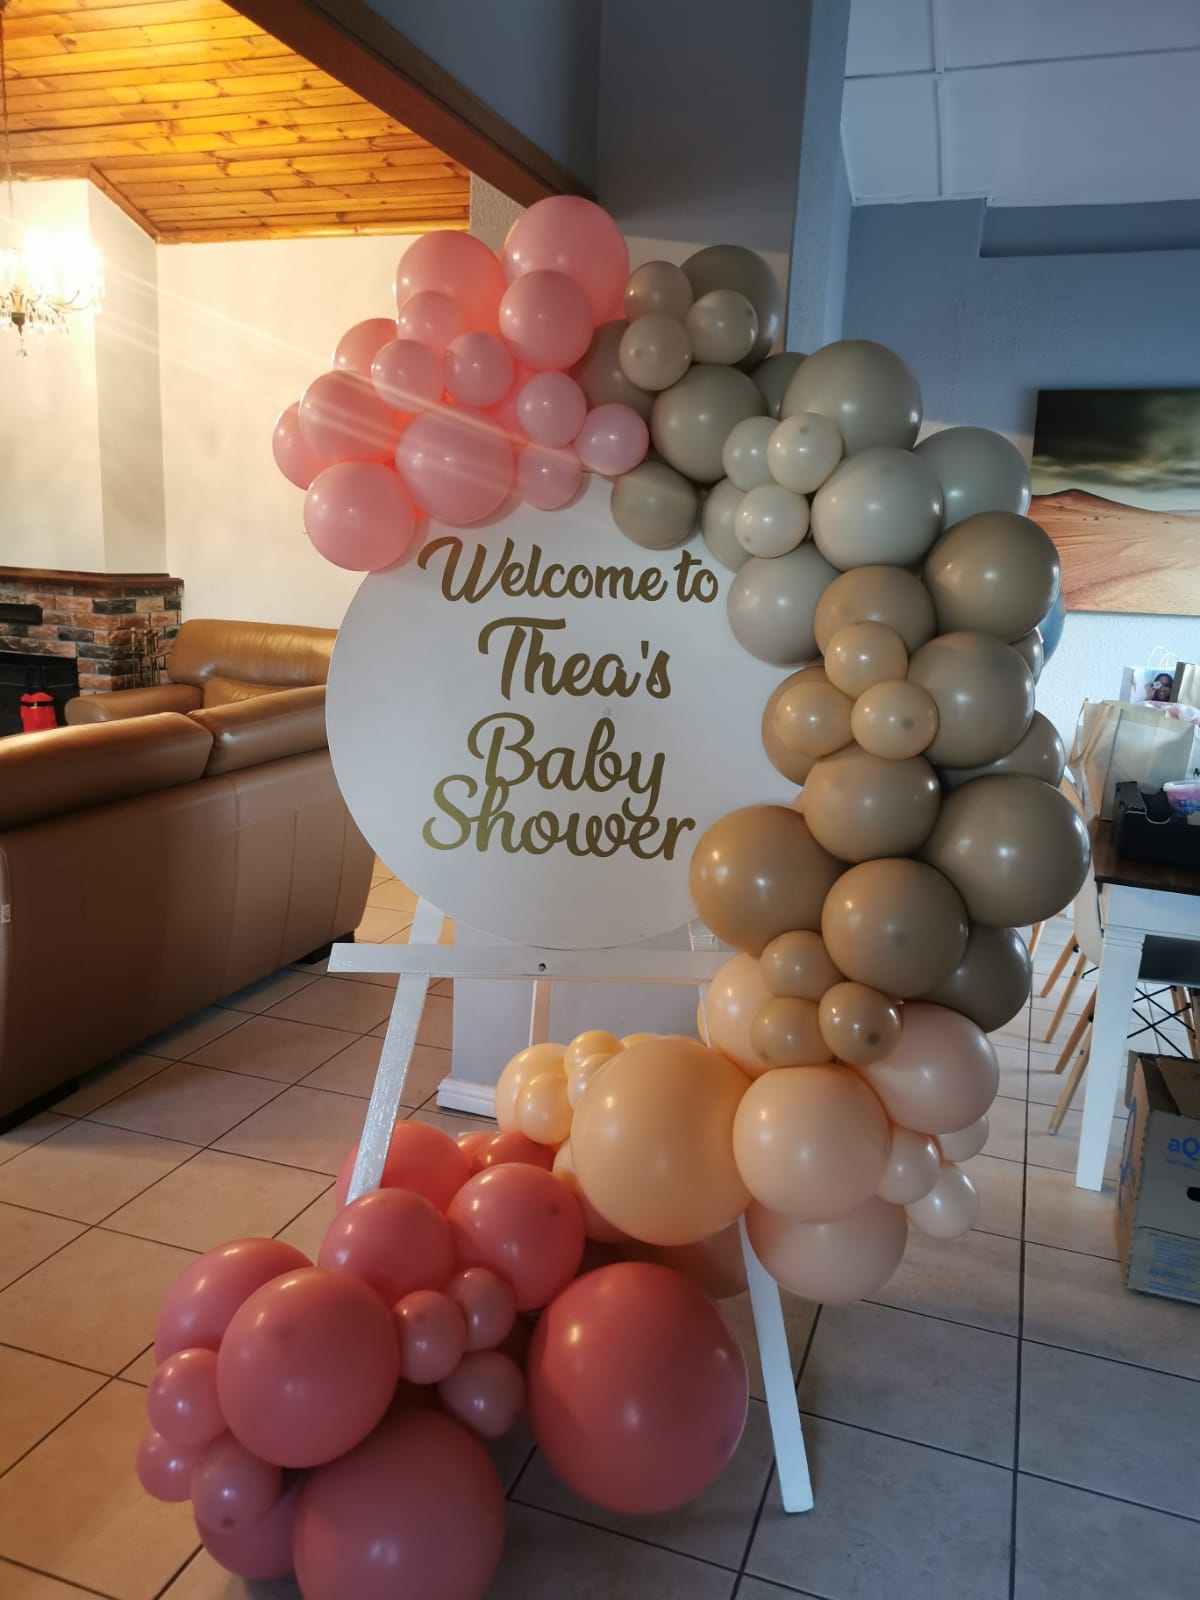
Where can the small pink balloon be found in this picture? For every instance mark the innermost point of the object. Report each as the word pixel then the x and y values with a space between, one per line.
pixel 199 1304
pixel 488 1305
pixel 432 1335
pixel 164 1469
pixel 551 408
pixel 469 1144
pixel 181 1401
pixel 546 319
pixel 298 463
pixel 420 1158
pixel 486 1392
pixel 262 1550
pixel 459 266
pixel 522 1223
pixel 392 1239
pixel 359 345
pixel 568 234
pixel 359 515
pixel 407 376
pixel 548 478
pixel 457 464
pixel 431 319
pixel 343 419
pixel 231 1488
pixel 613 440
pixel 479 369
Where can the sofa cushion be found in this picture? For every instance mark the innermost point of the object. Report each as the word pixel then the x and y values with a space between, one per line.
pixel 132 703
pixel 267 728
pixel 279 656
pixel 231 692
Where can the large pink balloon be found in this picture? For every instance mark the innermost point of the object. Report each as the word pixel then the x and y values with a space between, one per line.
pixel 613 440
pixel 205 1295
pixel 343 419
pixel 293 455
pixel 479 369
pixel 359 345
pixel 486 1392
pixel 231 1488
pixel 548 478
pixel 458 266
pixel 551 408
pixel 545 318
pixel 416 1510
pixel 432 1333
pixel 307 1367
pixel 637 1388
pixel 165 1469
pixel 392 1239
pixel 943 1074
pixel 832 1262
pixel 263 1549
pixel 181 1401
pixel 568 234
pixel 420 1158
pixel 523 1224
pixel 457 464
pixel 408 376
pixel 359 515
pixel 431 319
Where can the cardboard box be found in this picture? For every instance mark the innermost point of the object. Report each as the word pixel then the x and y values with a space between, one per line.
pixel 1158 1203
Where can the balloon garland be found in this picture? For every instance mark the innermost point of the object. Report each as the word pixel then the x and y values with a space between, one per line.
pixel 326 1417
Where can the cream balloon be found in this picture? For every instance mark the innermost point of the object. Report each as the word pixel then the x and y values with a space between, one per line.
pixel 722 326
pixel 831 1263
pixel 878 505
pixel 595 1041
pixel 600 377
pixel 655 352
pixel 812 718
pixel 654 505
pixel 542 1109
pixel 732 266
pixel 865 388
pixel 862 654
pixel 978 470
pixel 744 453
pixel 692 419
pixel 913 1167
pixel 803 450
pixel 582 1074
pixel 733 1001
pixel 967 1142
pixel 717 512
pixel 770 521
pixel 525 1065
pixel 772 603
pixel 949 1209
pixel 658 287
pixel 942 1075
pixel 595 1226
pixel 785 1033
pixel 798 964
pixel 877 594
pixel 773 375
pixel 894 719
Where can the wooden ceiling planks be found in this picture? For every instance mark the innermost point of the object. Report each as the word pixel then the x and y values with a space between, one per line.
pixel 201 126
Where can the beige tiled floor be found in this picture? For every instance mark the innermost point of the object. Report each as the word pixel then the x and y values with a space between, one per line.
pixel 1003 1421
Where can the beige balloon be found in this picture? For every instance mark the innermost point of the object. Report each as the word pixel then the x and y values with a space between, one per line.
pixel 978 470
pixel 812 718
pixel 1032 650
pixel 949 1209
pixel 730 1006
pixel 984 697
pixel 810 1142
pixel 758 872
pixel 770 521
pixel 877 594
pixel 993 573
pixel 655 352
pixel 831 1263
pixel 967 1142
pixel 600 377
pixel 896 925
pixel 941 1076
pixel 858 1025
pixel 692 419
pixel 581 1075
pixel 542 1110
pixel 744 453
pixel 880 505
pixel 860 807
pixel 732 266
pixel 1039 753
pixel 658 288
pixel 992 981
pixel 795 768
pixel 865 388
pixel 798 965
pixel 773 376
pixel 772 603
pixel 526 1064
pixel 803 451
pixel 654 505
pixel 595 1041
pixel 595 1226
pixel 785 1033
pixel 914 1165
pixel 894 719
pixel 717 512
pixel 722 326
pixel 862 654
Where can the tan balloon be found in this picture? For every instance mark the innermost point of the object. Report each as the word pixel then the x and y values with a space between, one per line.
pixel 772 603
pixel 993 573
pixel 543 1111
pixel 795 768
pixel 652 1142
pixel 812 718
pixel 992 981
pixel 941 1076
pixel 744 453
pixel 949 1209
pixel 770 521
pixel 810 1142
pixel 730 1006
pixel 758 872
pixel 803 451
pixel 595 1226
pixel 894 719
pixel 798 965
pixel 773 376
pixel 878 505
pixel 831 1263
pixel 717 512
pixel 692 419
pixel 877 594
pixel 600 377
pixel 860 807
pixel 1039 753
pixel 714 1265
pixel 984 697
pixel 654 505
pixel 525 1065
pixel 723 327
pixel 858 1024
pixel 895 925
pixel 862 654
pixel 595 1041
pixel 978 470
pixel 967 1142
pixel 658 287
pixel 784 1033
pixel 582 1074
pixel 655 352
pixel 865 388
pixel 732 266
pixel 914 1165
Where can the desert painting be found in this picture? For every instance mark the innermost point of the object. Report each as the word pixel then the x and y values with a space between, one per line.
pixel 1116 485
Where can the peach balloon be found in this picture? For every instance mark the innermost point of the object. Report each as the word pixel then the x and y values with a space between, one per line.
pixel 831 1262
pixel 595 1226
pixel 798 964
pixel 637 1038
pixel 652 1141
pixel 966 1142
pixel 810 1142
pixel 526 1064
pixel 785 1033
pixel 913 1166
pixel 593 1042
pixel 941 1076
pixel 543 1111
pixel 950 1208
pixel 734 999
pixel 582 1075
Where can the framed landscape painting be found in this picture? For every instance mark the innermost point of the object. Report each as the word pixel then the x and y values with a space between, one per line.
pixel 1116 485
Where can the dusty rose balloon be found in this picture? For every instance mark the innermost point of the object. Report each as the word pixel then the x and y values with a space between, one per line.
pixel 487 1303
pixel 432 319
pixel 459 266
pixel 505 1149
pixel 548 479
pixel 343 419
pixel 596 1227
pixel 731 1005
pixel 360 516
pixel 359 345
pixel 469 1144
pixel 524 1065
pixel 895 925
pixel 798 964
pixel 392 1239
pixel 294 457
pixel 551 408
pixel 544 316
pixel 523 1224
pixel 949 1209
pixel 199 1304
pixel 307 1367
pixel 407 376
pixel 637 1388
pixel 858 1024
pixel 479 369
pixel 231 1488
pixel 432 1334
pixel 420 1158
pixel 416 1509
pixel 456 463
pixel 913 1166
pixel 785 1033
pixel 181 1401
pixel 260 1551
pixel 543 1110
pixel 941 1076
pixel 966 1142
pixel 613 440
pixel 831 1262
pixel 165 1469
pixel 485 1392
pixel 568 234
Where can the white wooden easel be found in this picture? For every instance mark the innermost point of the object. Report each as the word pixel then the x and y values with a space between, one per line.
pixel 423 959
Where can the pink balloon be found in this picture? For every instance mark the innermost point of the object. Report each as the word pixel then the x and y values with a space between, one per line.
pixel 181 1401
pixel 545 318
pixel 458 266
pixel 261 1551
pixel 298 463
pixel 392 1239
pixel 205 1295
pixel 432 1335
pixel 565 233
pixel 613 440
pixel 479 369
pixel 523 1224
pixel 547 478
pixel 231 1488
pixel 360 516
pixel 359 345
pixel 457 464
pixel 408 376
pixel 432 319
pixel 551 408
pixel 164 1469
pixel 419 1158
pixel 486 1392
pixel 307 1367
pixel 416 1510
pixel 488 1305
pixel 343 419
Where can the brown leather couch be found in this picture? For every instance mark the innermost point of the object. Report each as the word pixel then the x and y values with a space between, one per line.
pixel 154 860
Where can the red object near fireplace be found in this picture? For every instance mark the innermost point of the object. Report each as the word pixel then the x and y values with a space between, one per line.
pixel 37 712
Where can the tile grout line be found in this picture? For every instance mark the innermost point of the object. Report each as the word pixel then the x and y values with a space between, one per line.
pixel 99 1390
pixel 102 1594
pixel 1114 1499
pixel 614 1533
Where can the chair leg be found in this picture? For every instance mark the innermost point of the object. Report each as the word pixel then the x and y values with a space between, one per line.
pixel 1072 984
pixel 1069 1088
pixel 1069 950
pixel 1082 1023
pixel 1035 935
pixel 1182 1004
pixel 1194 998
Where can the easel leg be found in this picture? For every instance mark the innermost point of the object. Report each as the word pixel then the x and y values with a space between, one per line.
pixel 783 1408
pixel 539 1012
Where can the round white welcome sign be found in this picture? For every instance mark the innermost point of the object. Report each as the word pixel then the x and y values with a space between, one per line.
pixel 534 722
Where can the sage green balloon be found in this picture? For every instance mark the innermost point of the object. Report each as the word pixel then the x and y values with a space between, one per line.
pixel 717 518
pixel 600 377
pixel 658 286
pixel 655 351
pixel 803 451
pixel 879 505
pixel 865 388
pixel 1038 754
pixel 1032 650
pixel 744 454
pixel 654 506
pixel 790 763
pixel 692 419
pixel 992 981
pixel 860 807
pixel 772 602
pixel 773 376
pixel 722 326
pixel 994 572
pixel 732 266
pixel 884 594
pixel 984 696
pixel 978 470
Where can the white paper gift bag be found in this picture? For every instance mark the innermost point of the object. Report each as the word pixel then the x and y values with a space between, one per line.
pixel 1119 743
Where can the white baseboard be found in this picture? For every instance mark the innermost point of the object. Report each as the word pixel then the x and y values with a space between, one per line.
pixel 459 1094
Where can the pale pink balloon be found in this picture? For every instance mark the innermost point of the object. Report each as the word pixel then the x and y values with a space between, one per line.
pixel 488 1305
pixel 577 237
pixel 613 440
pixel 913 1165
pixel 359 515
pixel 199 1304
pixel 545 318
pixel 831 1262
pixel 359 345
pixel 431 319
pixel 392 1239
pixel 734 997
pixel 164 1469
pixel 231 1488
pixel 479 369
pixel 298 462
pixel 181 1401
pixel 408 376
pixel 343 419
pixel 548 478
pixel 551 408
pixel 942 1075
pixel 432 1335
pixel 964 1143
pixel 261 1551
pixel 457 464
pixel 459 266
pixel 950 1208
pixel 486 1392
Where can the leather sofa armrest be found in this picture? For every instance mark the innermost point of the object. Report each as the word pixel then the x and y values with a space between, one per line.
pixel 122 703
pixel 267 728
